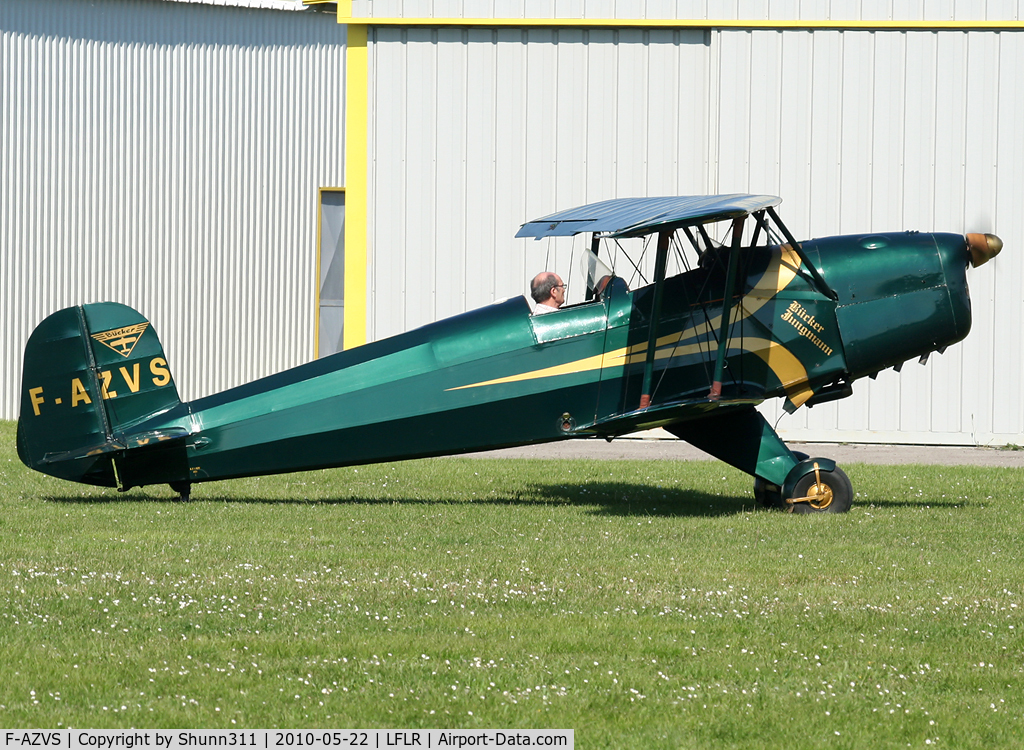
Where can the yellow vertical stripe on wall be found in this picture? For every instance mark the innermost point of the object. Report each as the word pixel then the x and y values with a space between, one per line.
pixel 316 275
pixel 355 135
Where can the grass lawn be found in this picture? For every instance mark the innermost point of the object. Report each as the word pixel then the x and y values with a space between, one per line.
pixel 643 604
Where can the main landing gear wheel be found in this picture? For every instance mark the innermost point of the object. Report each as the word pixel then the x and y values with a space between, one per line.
pixel 821 491
pixel 769 495
pixel 766 494
pixel 184 490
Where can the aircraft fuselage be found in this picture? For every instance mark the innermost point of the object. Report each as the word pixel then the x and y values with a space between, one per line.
pixel 498 376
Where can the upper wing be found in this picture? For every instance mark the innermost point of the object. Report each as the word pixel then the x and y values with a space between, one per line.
pixel 635 217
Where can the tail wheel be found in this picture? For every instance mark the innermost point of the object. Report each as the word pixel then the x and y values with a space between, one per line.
pixel 822 491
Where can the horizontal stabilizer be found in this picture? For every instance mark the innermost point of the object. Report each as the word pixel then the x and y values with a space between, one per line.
pixel 152 437
pixel 110 446
pixel 141 440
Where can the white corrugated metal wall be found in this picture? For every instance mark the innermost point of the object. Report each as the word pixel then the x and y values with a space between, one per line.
pixel 475 130
pixel 167 156
pixel 889 130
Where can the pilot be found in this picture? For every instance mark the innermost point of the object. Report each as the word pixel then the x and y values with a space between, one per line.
pixel 548 292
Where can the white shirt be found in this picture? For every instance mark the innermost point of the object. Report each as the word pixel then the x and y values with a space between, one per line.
pixel 542 309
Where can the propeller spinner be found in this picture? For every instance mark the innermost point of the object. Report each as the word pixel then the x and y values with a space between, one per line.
pixel 983 247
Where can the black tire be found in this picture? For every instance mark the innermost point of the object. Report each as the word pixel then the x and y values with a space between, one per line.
pixel 184 490
pixel 766 494
pixel 769 495
pixel 836 495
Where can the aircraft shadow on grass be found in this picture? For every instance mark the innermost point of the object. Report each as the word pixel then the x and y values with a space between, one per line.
pixel 604 498
pixel 637 499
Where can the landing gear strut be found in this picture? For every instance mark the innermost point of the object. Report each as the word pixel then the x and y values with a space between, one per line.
pixel 184 490
pixel 782 478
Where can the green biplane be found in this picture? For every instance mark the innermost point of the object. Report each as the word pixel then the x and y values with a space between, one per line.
pixel 757 316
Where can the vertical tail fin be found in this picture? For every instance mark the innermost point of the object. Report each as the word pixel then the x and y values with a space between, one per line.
pixel 91 373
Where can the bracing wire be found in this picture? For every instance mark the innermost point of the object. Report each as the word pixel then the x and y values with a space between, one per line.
pixel 701 340
pixel 572 255
pixel 636 269
pixel 711 338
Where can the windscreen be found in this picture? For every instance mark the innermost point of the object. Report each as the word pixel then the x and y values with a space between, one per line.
pixel 596 273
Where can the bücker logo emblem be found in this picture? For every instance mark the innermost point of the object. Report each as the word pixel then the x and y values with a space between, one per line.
pixel 122 340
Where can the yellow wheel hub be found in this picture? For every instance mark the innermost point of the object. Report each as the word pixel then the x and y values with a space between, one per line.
pixel 819 494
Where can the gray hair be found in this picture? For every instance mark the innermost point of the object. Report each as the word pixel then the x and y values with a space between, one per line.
pixel 542 285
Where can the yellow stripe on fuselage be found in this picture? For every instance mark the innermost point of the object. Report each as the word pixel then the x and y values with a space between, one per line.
pixel 597 362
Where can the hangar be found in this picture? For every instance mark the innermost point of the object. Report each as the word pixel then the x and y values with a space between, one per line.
pixel 268 182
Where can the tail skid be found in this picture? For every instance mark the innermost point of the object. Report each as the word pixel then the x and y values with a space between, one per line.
pixel 91 374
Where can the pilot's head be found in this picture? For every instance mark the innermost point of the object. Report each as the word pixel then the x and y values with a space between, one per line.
pixel 547 289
